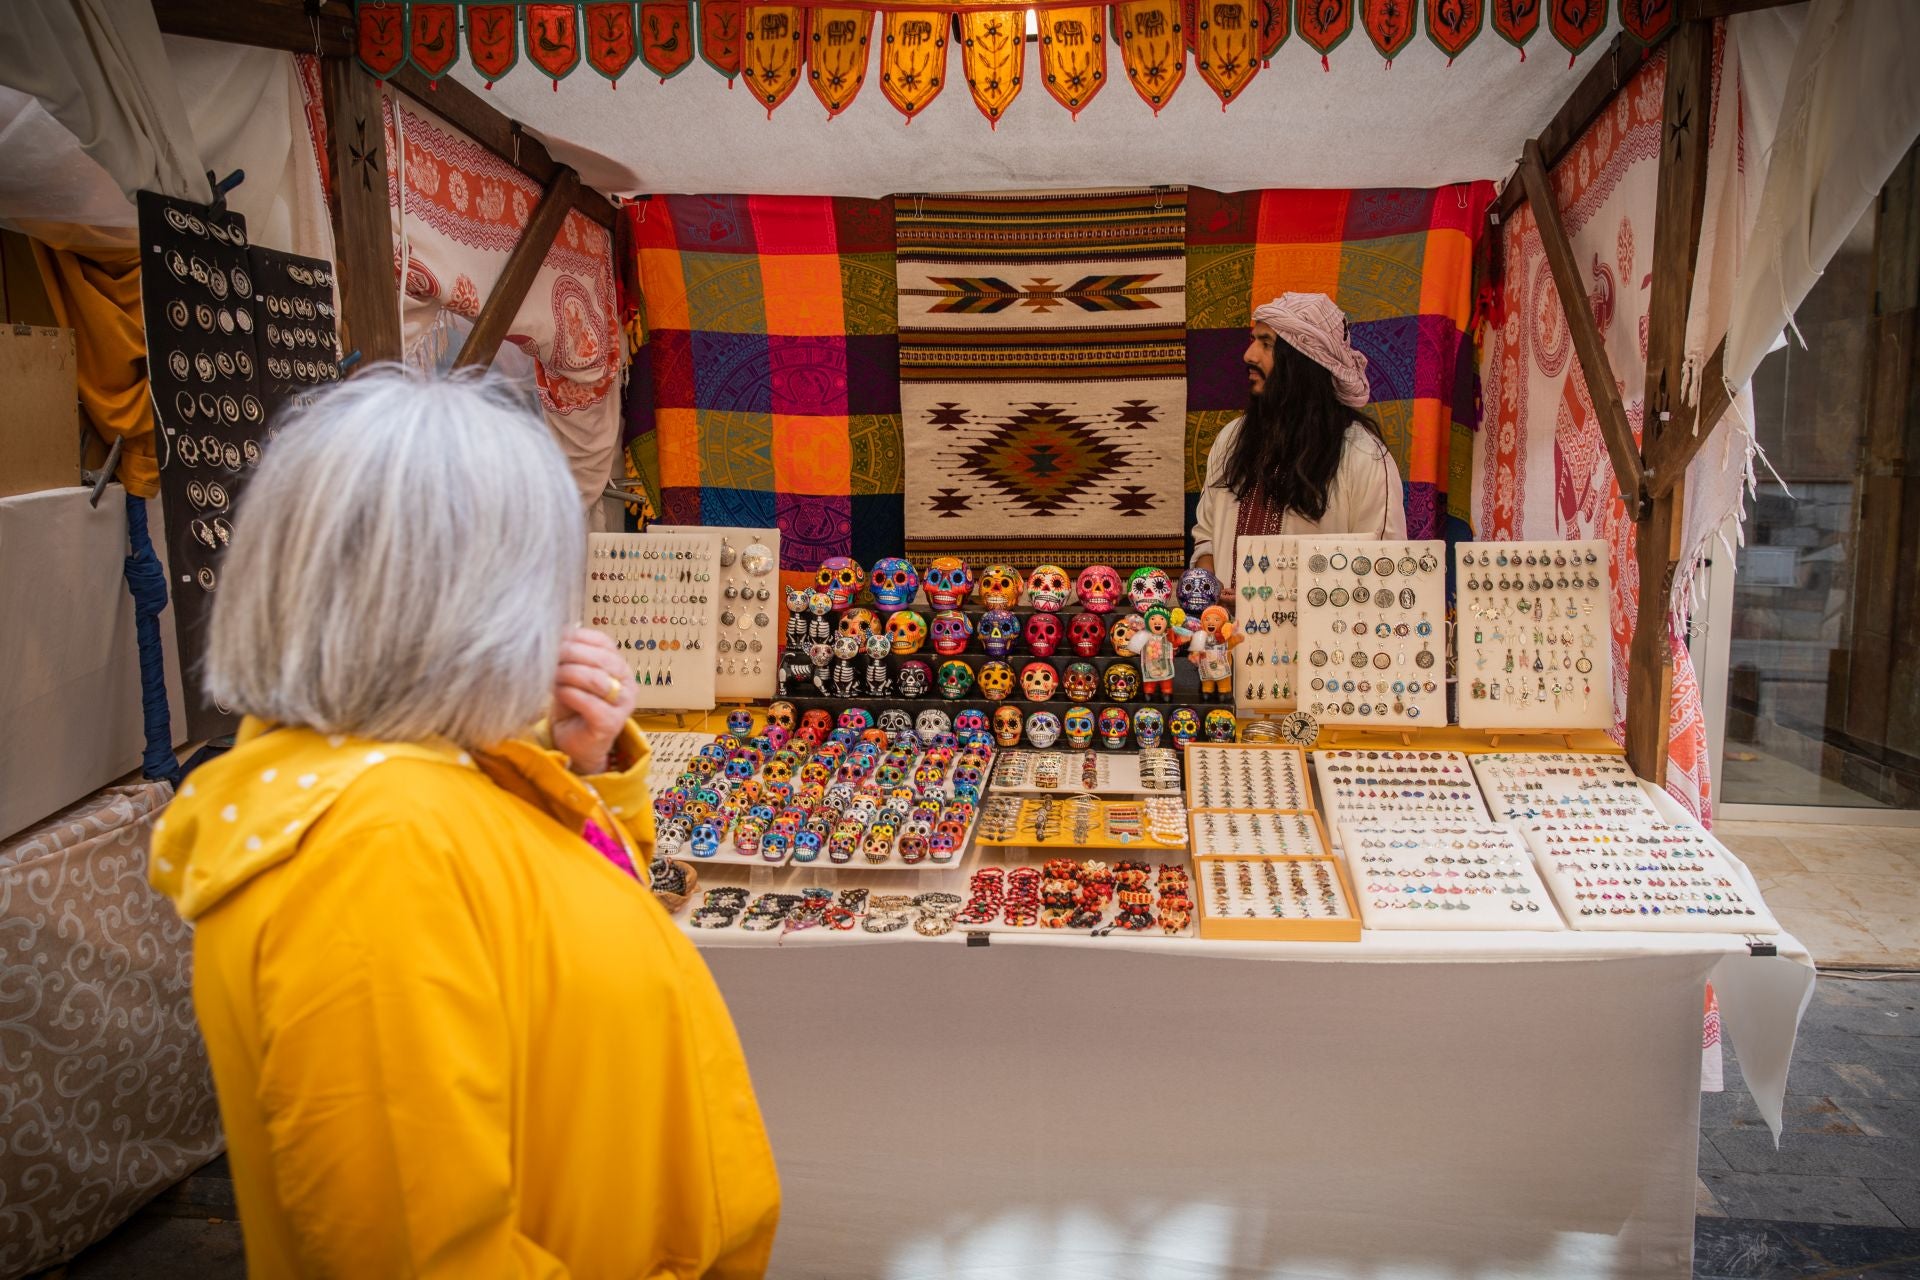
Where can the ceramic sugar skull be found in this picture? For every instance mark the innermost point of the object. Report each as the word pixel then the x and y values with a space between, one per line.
pixel 819 603
pixel 970 722
pixel 1043 729
pixel 1220 726
pixel 996 681
pixel 1148 726
pixel 858 719
pixel 951 631
pixel 879 644
pixel 846 646
pixel 1007 726
pixel 1183 725
pixel 1113 728
pixel 781 714
pixel 859 623
pixel 894 722
pixel 1086 632
pixel 776 737
pixel 999 586
pixel 1049 588
pixel 1198 589
pixel 841 577
pixel 814 725
pixel 997 631
pixel 948 581
pixel 1038 681
pixel 894 582
pixel 915 678
pixel 1122 682
pixel 1081 681
pixel 1124 628
pixel 1098 588
pixel 932 723
pixel 956 679
pixel 1042 634
pixel 1077 725
pixel 740 723
pixel 1149 585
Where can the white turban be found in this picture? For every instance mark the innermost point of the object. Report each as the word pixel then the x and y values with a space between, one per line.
pixel 1313 325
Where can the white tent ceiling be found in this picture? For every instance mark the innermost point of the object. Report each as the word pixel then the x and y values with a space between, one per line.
pixel 1417 123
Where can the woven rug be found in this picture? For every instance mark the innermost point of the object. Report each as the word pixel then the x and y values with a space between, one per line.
pixel 1043 375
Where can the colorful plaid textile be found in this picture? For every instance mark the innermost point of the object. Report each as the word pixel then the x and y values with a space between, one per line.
pixel 1400 264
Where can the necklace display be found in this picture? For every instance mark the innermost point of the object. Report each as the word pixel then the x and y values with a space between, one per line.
pixel 1535 638
pixel 1373 632
pixel 1524 786
pixel 746 652
pixel 1266 609
pixel 654 594
pixel 1445 875
pixel 1644 876
pixel 1266 835
pixel 1246 777
pixel 1373 786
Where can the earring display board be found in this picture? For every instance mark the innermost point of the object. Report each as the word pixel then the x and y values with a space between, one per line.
pixel 1257 834
pixel 1247 776
pixel 1275 900
pixel 1645 876
pixel 746 650
pixel 1534 639
pixel 1373 632
pixel 1266 609
pixel 670 754
pixel 655 594
pixel 1442 875
pixel 1397 786
pixel 301 354
pixel 1527 786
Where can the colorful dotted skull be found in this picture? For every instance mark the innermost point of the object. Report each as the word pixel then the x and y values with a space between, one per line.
pixel 916 677
pixel 859 623
pixel 879 644
pixel 1086 631
pixel 956 679
pixel 1043 634
pixel 858 719
pixel 841 578
pixel 1122 682
pixel 907 630
pixel 1198 589
pixel 997 631
pixel 1081 682
pixel 951 631
pixel 972 720
pixel 1148 726
pixel 1221 726
pixel 1149 585
pixel 894 582
pixel 814 725
pixel 949 581
pixel 1007 726
pixel 999 586
pixel 1113 727
pixel 996 681
pixel 931 724
pixel 781 714
pixel 1049 588
pixel 1184 725
pixel 1098 588
pixel 1124 628
pixel 1043 729
pixel 740 722
pixel 1077 724
pixel 1038 681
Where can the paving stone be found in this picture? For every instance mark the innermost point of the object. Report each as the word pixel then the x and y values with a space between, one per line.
pixel 1817 1154
pixel 1799 1198
pixel 1802 1113
pixel 1885 1118
pixel 1710 1157
pixel 1902 1195
pixel 1704 1205
pixel 1738 1249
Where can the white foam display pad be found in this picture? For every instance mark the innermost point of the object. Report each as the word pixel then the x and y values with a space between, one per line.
pixel 1373 623
pixel 1534 635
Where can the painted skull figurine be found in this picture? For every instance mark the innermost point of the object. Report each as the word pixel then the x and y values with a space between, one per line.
pixel 740 723
pixel 814 726
pixel 1149 585
pixel 907 630
pixel 956 679
pixel 841 577
pixel 1124 628
pixel 970 722
pixel 1183 725
pixel 951 631
pixel 819 603
pixel 894 582
pixel 859 623
pixel 932 723
pixel 1113 728
pixel 1043 729
pixel 858 719
pixel 1087 632
pixel 1198 589
pixel 1122 682
pixel 781 714
pixel 999 586
pixel 1077 724
pixel 1148 726
pixel 1099 588
pixel 997 631
pixel 1081 682
pixel 1049 589
pixel 996 681
pixel 949 581
pixel 1007 726
pixel 1042 634
pixel 915 678
pixel 1038 681
pixel 1221 726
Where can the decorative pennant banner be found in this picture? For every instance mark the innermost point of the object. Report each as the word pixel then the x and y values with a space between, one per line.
pixel 492 46
pixel 1516 21
pixel 1576 24
pixel 774 51
pixel 837 63
pixel 1275 26
pixel 722 24
pixel 611 42
pixel 1153 47
pixel 913 59
pixel 1073 55
pixel 1647 20
pixel 433 37
pixel 381 31
pixel 1452 25
pixel 1227 45
pixel 553 39
pixel 666 36
pixel 1323 24
pixel 993 56
pixel 1389 24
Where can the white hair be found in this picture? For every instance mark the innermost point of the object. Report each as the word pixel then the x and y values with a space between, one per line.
pixel 404 564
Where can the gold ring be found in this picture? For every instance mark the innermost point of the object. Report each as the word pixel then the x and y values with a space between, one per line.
pixel 612 693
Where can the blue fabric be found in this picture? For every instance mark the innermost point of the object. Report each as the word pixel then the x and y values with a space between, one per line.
pixel 147 583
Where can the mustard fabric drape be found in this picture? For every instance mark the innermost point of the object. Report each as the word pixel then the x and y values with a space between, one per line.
pixel 96 293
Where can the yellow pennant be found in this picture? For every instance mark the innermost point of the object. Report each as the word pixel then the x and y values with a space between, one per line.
pixel 1227 42
pixel 774 50
pixel 1073 54
pixel 837 57
pixel 1153 45
pixel 913 58
pixel 993 53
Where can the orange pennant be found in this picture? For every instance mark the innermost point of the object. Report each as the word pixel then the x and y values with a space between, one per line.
pixel 913 59
pixel 774 50
pixel 993 54
pixel 837 58
pixel 1227 50
pixel 1153 47
pixel 1073 55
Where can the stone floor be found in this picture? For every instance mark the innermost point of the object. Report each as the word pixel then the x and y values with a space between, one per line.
pixel 1850 893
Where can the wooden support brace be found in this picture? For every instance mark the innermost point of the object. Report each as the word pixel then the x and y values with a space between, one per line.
pixel 523 264
pixel 1687 434
pixel 1594 94
pixel 362 219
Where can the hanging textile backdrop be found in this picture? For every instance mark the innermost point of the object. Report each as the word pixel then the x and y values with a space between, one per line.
pixel 1043 375
pixel 1543 469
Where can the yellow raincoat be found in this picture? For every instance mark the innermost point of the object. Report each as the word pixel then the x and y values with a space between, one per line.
pixel 449 1037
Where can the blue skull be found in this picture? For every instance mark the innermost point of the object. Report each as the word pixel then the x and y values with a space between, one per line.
pixel 997 629
pixel 894 582
pixel 1198 589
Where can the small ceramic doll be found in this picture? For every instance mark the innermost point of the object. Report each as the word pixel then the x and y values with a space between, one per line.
pixel 1212 653
pixel 1157 644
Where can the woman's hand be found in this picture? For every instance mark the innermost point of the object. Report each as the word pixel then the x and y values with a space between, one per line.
pixel 593 698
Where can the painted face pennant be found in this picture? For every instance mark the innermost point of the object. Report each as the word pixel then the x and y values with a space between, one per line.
pixel 1227 46
pixel 1389 24
pixel 913 59
pixel 1516 21
pixel 1153 47
pixel 722 26
pixel 492 43
pixel 1073 55
pixel 666 36
pixel 1647 20
pixel 612 44
pixel 993 55
pixel 380 35
pixel 837 60
pixel 1323 24
pixel 1276 25
pixel 1576 24
pixel 433 37
pixel 775 48
pixel 1452 25
pixel 553 39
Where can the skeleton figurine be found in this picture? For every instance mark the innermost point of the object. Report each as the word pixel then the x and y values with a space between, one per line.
pixel 845 650
pixel 821 656
pixel 797 617
pixel 879 678
pixel 819 630
pixel 796 671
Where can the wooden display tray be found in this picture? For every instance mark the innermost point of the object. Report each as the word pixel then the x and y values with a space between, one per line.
pixel 1123 775
pixel 1066 842
pixel 1188 773
pixel 1215 928
pixel 1319 826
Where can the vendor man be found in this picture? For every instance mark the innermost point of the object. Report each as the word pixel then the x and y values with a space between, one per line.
pixel 1304 459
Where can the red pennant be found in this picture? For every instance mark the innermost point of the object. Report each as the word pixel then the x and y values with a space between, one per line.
pixel 1276 26
pixel 666 36
pixel 492 45
pixel 721 24
pixel 1452 25
pixel 611 43
pixel 1648 20
pixel 1516 21
pixel 1323 24
pixel 433 37
pixel 1390 25
pixel 553 38
pixel 1576 23
pixel 381 37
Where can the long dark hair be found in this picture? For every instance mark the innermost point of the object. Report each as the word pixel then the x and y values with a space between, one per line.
pixel 1292 437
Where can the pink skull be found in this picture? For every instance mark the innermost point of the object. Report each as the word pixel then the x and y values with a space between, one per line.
pixel 1043 634
pixel 1087 632
pixel 951 631
pixel 1099 588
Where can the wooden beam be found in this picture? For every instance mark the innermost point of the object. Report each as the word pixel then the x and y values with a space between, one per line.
pixel 1588 345
pixel 362 220
pixel 523 264
pixel 1670 455
pixel 1590 97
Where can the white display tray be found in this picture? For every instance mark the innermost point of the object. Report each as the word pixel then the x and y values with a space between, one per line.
pixel 1617 861
pixel 1434 840
pixel 1410 808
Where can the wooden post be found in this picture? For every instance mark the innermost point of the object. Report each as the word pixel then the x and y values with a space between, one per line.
pixel 362 221
pixel 523 264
